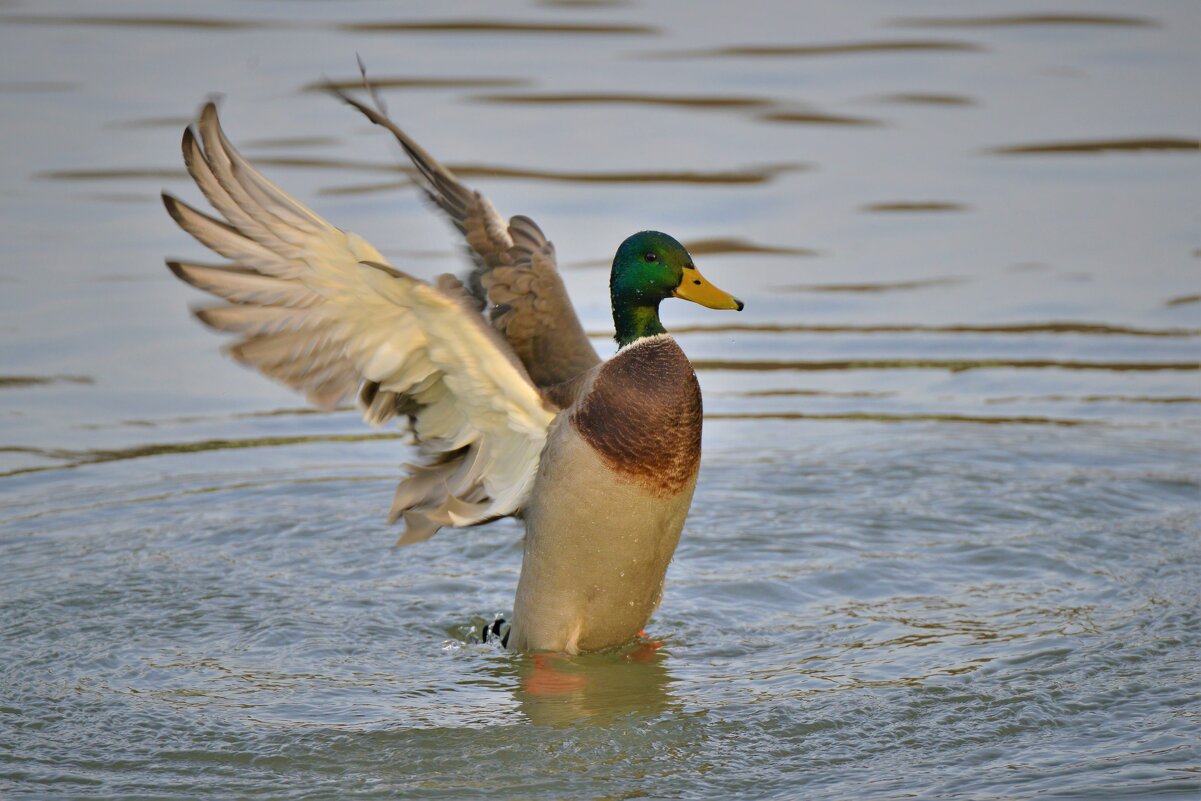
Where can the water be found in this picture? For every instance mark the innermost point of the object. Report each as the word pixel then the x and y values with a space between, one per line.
pixel 945 542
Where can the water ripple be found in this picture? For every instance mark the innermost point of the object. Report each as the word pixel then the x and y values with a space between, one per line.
pixel 1028 20
pixel 497 26
pixel 626 99
pixel 954 365
pixel 1162 143
pixel 887 46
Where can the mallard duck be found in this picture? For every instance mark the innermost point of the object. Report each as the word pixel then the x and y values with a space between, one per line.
pixel 514 412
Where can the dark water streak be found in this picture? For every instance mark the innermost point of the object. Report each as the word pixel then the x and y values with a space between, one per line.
pixel 895 46
pixel 1163 143
pixel 1054 327
pixel 17 381
pixel 1028 20
pixel 953 365
pixel 79 458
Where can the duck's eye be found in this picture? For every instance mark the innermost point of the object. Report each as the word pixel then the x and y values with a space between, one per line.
pixel 651 257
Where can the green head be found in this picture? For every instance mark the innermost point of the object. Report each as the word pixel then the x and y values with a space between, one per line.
pixel 649 268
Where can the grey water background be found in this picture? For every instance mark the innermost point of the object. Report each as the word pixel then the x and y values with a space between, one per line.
pixel 946 538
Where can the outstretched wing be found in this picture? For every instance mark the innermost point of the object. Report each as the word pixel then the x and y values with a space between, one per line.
pixel 515 271
pixel 320 310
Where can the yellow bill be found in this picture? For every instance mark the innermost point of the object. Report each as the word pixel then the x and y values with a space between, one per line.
pixel 696 287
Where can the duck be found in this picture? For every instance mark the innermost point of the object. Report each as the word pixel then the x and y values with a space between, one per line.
pixel 512 411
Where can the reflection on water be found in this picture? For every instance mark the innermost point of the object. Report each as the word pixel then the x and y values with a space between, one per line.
pixel 12 381
pixel 116 174
pixel 737 245
pixel 1027 20
pixel 890 286
pixel 882 417
pixel 944 542
pixel 754 175
pixel 709 246
pixel 751 175
pixel 594 690
pixel 883 46
pixel 290 142
pixel 627 99
pixel 187 23
pixel 121 197
pixel 496 26
pixel 914 206
pixel 770 393
pixel 954 365
pixel 177 123
pixel 78 458
pixel 817 118
pixel 1103 146
pixel 928 99
pixel 1086 329
pixel 399 26
pixel 1095 399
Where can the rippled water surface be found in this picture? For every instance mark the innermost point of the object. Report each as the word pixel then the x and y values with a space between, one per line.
pixel 947 537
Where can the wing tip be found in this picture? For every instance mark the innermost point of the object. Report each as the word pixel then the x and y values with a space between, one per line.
pixel 208 112
pixel 188 142
pixel 179 270
pixel 171 203
pixel 209 316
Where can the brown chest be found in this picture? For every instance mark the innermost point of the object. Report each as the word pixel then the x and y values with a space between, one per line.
pixel 643 416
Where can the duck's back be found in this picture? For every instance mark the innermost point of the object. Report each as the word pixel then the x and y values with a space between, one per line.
pixel 612 492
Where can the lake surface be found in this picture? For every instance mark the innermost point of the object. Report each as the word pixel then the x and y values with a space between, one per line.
pixel 947 537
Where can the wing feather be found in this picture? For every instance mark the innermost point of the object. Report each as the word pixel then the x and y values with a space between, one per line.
pixel 227 241
pixel 243 285
pixel 320 310
pixel 515 269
